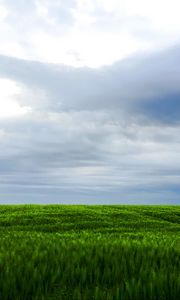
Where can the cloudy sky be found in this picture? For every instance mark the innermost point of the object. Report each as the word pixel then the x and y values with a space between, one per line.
pixel 90 101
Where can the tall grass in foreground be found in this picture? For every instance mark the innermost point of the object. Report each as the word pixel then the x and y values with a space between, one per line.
pixel 88 264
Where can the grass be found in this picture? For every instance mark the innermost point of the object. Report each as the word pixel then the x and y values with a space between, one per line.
pixel 75 252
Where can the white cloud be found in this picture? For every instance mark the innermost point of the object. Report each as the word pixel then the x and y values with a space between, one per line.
pixel 86 33
pixel 9 106
pixel 3 12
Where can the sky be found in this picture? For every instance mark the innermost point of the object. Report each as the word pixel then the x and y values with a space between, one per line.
pixel 90 101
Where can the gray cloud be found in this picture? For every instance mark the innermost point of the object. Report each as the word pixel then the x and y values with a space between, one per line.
pixel 137 80
pixel 91 132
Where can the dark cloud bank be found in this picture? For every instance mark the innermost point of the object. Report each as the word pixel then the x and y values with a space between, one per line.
pixel 108 135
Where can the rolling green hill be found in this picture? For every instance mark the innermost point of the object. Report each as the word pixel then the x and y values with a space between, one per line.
pixel 89 252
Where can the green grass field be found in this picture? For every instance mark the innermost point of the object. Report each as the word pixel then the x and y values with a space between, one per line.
pixel 89 252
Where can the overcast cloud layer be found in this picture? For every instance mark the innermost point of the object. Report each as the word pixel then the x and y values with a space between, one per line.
pixel 89 101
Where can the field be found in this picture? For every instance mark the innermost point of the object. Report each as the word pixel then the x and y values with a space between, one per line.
pixel 75 252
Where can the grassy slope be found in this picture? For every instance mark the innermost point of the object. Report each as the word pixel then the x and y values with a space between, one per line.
pixel 89 252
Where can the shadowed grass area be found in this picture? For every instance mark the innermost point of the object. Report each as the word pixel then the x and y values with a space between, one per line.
pixel 89 252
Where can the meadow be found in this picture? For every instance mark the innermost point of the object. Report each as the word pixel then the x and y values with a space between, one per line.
pixel 50 252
